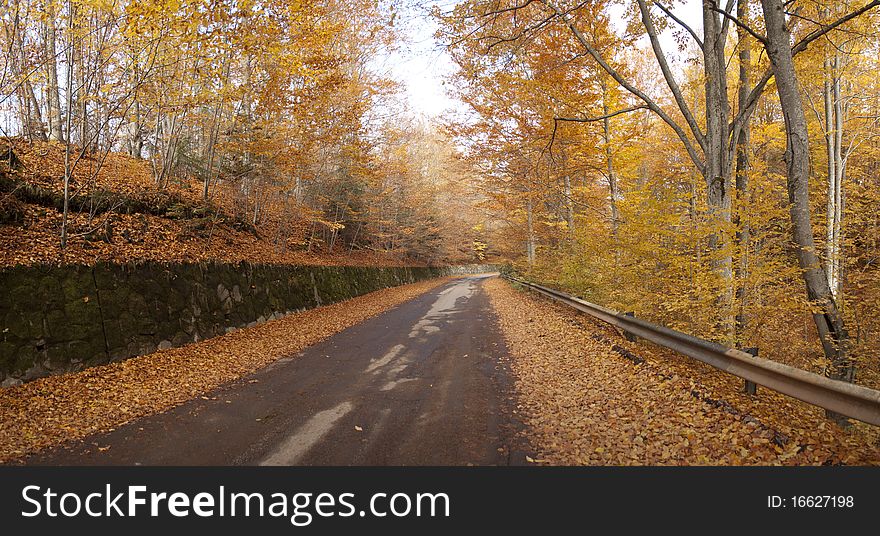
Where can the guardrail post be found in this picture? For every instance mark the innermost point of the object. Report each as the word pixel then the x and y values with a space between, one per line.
pixel 626 334
pixel 751 388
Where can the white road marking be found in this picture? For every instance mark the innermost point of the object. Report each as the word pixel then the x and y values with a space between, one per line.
pixel 385 359
pixel 307 435
pixel 392 384
pixel 443 306
pixel 394 372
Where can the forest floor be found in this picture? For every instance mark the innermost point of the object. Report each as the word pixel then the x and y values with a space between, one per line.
pixel 422 383
pixel 585 400
pixel 119 214
pixel 583 395
pixel 56 409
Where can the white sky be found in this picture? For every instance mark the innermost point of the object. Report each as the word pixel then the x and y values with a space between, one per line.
pixel 422 63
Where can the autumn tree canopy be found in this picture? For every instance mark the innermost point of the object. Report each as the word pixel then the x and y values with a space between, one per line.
pixel 715 172
pixel 700 171
pixel 271 110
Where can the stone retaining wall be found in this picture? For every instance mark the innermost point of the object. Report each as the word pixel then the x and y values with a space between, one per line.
pixel 58 319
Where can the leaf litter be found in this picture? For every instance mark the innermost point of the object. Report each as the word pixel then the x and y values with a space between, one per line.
pixel 588 397
pixel 53 410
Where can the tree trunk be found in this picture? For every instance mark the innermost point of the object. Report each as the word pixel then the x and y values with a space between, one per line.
pixel 717 165
pixel 612 175
pixel 68 120
pixel 298 189
pixel 530 240
pixel 213 138
pixel 53 100
pixel 830 152
pixel 743 143
pixel 78 66
pixel 838 180
pixel 828 319
pixel 33 118
pixel 569 205
pixel 136 141
pixel 28 107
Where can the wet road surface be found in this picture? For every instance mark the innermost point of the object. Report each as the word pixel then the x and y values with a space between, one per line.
pixel 421 384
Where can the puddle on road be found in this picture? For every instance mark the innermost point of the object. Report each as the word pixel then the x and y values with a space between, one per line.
pixel 313 430
pixel 443 307
pixel 385 359
pixel 307 435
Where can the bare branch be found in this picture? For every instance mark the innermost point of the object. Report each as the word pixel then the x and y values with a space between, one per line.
pixel 507 9
pixel 667 74
pixel 812 36
pixel 741 24
pixel 497 40
pixel 725 24
pixel 602 117
pixel 681 23
pixel 653 106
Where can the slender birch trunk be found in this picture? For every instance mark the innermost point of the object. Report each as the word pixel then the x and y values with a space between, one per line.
pixel 612 176
pixel 530 240
pixel 69 121
pixel 827 317
pixel 53 99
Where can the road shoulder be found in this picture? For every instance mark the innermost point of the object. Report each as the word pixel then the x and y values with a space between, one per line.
pixel 585 403
pixel 57 409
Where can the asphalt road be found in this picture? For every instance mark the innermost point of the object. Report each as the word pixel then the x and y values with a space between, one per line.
pixel 422 384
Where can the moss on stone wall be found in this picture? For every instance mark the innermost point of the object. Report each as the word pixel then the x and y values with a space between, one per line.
pixel 57 319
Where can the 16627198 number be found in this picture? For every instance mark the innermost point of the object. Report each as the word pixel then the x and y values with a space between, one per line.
pixel 822 501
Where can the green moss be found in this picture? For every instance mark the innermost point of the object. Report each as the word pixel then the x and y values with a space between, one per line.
pixel 25 359
pixel 137 305
pixel 83 310
pixel 8 355
pixel 180 339
pixel 56 326
pixel 142 304
pixel 21 297
pixel 126 323
pixel 49 291
pixel 77 283
pixel 80 351
pixel 22 325
pixel 147 326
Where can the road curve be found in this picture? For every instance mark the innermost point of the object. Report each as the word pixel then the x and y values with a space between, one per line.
pixel 421 384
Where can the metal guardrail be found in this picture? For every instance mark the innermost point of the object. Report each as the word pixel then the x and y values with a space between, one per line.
pixel 844 398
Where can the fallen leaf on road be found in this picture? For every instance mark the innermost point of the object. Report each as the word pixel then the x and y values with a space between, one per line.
pixel 52 410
